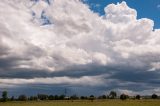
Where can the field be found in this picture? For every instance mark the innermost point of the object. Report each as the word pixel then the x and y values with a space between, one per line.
pixel 86 103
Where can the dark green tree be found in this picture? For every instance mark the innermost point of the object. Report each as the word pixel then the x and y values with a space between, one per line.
pixel 4 96
pixel 112 95
pixel 56 97
pixel 154 96
pixel 92 97
pixel 124 96
pixel 51 97
pixel 61 97
pixel 33 98
pixel 12 98
pixel 74 97
pixel 83 97
pixel 138 97
pixel 22 98
pixel 102 97
pixel 42 96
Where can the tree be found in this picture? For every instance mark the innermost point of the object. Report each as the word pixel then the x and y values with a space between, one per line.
pixel 138 97
pixel 112 95
pixel 4 96
pixel 22 98
pixel 61 97
pixel 56 97
pixel 102 97
pixel 154 96
pixel 32 98
pixel 92 97
pixel 123 96
pixel 42 96
pixel 51 97
pixel 84 97
pixel 12 98
pixel 74 97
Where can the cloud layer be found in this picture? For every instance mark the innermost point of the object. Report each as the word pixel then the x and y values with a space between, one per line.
pixel 64 42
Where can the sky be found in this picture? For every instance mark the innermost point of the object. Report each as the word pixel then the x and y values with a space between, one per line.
pixel 87 47
pixel 145 9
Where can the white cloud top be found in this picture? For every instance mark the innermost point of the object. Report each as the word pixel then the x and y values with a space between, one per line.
pixel 64 34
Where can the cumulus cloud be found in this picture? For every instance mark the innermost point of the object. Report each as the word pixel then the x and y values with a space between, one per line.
pixel 52 41
pixel 120 13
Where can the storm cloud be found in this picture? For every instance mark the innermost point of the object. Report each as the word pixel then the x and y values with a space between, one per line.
pixel 63 42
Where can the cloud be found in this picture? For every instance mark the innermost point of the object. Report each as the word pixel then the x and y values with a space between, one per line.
pixel 155 66
pixel 120 13
pixel 62 42
pixel 85 81
pixel 144 92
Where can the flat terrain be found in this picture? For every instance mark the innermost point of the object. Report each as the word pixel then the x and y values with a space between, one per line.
pixel 86 103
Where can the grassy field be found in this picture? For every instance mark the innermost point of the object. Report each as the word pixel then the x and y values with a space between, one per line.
pixel 86 103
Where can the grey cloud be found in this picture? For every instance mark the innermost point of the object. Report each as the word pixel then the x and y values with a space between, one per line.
pixel 119 49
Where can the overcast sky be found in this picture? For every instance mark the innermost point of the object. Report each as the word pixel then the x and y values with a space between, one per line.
pixel 49 45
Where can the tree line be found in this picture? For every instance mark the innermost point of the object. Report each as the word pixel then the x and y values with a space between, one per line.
pixel 40 97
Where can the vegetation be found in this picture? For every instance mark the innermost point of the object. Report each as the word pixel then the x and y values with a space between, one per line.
pixel 107 102
pixel 112 95
pixel 44 97
pixel 4 96
pixel 22 98
pixel 138 97
pixel 154 96
pixel 124 97
pixel 92 98
pixel 102 97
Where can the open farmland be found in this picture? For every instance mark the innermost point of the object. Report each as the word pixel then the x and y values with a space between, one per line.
pixel 86 103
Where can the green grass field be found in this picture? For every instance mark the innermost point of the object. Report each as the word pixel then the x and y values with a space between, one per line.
pixel 86 103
